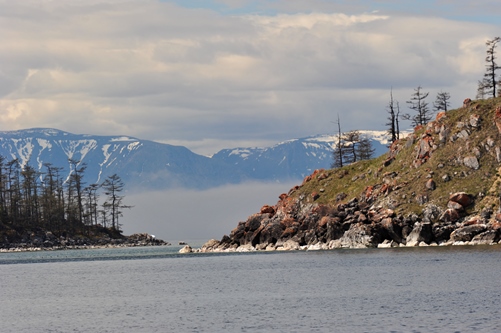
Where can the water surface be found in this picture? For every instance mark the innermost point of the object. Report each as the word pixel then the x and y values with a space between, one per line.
pixel 441 289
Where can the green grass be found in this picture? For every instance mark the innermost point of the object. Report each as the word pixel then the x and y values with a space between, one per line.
pixel 353 179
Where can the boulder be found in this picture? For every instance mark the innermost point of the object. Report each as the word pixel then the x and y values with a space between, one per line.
pixel 450 215
pixel 443 134
pixel 209 246
pixel 467 233
pixel 471 162
pixel 442 232
pixel 455 205
pixel 267 210
pixel 431 185
pixel 359 236
pixel 289 245
pixel 474 120
pixel 431 213
pixel 461 198
pixel 420 233
pixel 245 248
pixel 466 102
pixel 487 237
pixel 393 230
pixel 186 249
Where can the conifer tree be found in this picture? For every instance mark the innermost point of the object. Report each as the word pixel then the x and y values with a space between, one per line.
pixel 490 81
pixel 442 102
pixel 420 106
pixel 365 151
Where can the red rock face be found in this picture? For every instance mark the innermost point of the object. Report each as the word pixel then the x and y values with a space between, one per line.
pixel 283 196
pixel 307 179
pixel 461 198
pixel 440 115
pixel 267 210
pixel 368 191
pixel 417 128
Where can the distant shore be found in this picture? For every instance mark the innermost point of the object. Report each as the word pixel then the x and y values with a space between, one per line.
pixel 58 244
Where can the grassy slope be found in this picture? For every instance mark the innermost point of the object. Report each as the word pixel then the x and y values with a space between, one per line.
pixel 353 179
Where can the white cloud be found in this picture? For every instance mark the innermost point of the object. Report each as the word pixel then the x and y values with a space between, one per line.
pixel 157 71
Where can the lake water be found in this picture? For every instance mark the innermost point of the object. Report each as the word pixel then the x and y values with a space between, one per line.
pixel 439 289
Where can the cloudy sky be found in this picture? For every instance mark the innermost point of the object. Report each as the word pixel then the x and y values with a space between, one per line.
pixel 212 74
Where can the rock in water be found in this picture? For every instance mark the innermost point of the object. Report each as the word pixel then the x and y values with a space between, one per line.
pixel 186 249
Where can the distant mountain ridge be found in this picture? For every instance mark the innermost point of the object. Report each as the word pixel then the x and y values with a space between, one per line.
pixel 150 165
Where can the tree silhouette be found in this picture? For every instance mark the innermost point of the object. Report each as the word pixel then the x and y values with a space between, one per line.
pixel 489 82
pixel 442 102
pixel 393 110
pixel 420 106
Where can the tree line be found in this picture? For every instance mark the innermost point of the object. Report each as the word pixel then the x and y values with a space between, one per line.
pixel 345 150
pixel 30 199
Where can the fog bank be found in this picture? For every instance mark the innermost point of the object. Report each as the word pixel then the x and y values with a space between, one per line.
pixel 183 214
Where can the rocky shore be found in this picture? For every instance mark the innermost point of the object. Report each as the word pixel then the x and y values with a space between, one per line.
pixel 292 225
pixel 47 241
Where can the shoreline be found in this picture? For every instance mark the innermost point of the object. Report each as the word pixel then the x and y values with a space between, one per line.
pixel 213 246
pixel 51 243
pixel 75 247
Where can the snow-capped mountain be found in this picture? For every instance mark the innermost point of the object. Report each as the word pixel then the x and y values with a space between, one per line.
pixel 293 159
pixel 140 163
pixel 151 165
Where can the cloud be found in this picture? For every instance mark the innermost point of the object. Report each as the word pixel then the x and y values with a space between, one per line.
pixel 159 71
pixel 197 215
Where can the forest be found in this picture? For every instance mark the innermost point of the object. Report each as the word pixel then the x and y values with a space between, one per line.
pixel 30 199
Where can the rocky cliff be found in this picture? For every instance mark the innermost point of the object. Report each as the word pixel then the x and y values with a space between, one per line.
pixel 438 186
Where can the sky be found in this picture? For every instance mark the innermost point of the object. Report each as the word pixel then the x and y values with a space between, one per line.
pixel 213 74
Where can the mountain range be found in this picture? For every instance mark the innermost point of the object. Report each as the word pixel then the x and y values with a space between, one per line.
pixel 144 164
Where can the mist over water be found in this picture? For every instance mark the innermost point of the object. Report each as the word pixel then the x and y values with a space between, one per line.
pixel 182 214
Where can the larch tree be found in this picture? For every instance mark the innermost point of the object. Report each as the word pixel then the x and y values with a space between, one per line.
pixel 442 102
pixel 365 150
pixel 418 104
pixel 113 187
pixel 490 81
pixel 351 140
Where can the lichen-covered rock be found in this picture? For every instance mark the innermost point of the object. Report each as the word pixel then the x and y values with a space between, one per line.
pixel 471 162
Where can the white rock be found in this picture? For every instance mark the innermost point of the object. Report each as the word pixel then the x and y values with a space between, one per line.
pixel 246 248
pixel 186 249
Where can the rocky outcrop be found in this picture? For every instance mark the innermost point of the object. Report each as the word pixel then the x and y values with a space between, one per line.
pixel 301 225
pixel 39 239
pixel 450 168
